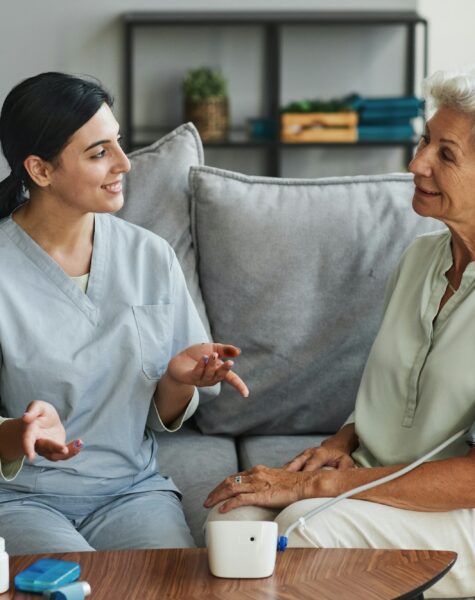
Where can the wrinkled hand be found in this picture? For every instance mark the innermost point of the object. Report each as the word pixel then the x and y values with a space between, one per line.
pixel 202 365
pixel 261 486
pixel 43 433
pixel 313 459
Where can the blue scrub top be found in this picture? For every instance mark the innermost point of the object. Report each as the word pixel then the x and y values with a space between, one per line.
pixel 97 357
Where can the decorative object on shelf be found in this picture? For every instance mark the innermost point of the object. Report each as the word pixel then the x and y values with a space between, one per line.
pixel 206 102
pixel 319 121
pixel 386 118
pixel 260 128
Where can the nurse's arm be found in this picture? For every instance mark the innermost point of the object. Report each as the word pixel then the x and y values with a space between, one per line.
pixel 172 398
pixel 11 444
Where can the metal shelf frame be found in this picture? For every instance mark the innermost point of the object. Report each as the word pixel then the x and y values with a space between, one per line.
pixel 272 23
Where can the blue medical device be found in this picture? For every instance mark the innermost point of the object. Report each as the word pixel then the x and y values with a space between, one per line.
pixel 47 574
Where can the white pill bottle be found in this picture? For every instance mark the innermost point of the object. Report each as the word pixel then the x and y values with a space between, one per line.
pixel 4 568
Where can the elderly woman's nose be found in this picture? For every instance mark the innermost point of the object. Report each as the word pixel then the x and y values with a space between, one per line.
pixel 420 165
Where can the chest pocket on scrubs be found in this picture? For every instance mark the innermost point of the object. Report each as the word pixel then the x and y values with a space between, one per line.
pixel 154 325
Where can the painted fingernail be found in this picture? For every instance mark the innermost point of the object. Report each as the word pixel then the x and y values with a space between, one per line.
pixel 78 444
pixel 205 359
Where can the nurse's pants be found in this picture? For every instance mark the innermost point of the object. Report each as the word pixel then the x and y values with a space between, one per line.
pixel 361 524
pixel 41 523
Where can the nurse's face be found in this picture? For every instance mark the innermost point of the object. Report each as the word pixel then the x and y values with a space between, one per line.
pixel 88 173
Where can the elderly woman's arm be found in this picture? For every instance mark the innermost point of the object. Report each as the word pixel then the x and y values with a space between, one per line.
pixel 434 486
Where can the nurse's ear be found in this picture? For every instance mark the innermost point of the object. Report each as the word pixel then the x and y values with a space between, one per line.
pixel 38 169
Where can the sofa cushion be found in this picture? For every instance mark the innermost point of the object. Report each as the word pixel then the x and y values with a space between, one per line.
pixel 157 197
pixel 293 271
pixel 196 463
pixel 273 450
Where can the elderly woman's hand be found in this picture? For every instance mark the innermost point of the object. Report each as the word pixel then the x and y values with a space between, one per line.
pixel 263 486
pixel 313 459
pixel 201 365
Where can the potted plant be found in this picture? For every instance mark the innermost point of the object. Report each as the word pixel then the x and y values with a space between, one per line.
pixel 206 102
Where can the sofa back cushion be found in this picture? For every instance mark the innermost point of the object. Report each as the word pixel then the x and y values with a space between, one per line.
pixel 293 272
pixel 157 197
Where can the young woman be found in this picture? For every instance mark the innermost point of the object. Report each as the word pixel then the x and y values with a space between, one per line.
pixel 95 320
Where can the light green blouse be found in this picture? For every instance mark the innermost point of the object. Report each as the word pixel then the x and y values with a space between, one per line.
pixel 418 386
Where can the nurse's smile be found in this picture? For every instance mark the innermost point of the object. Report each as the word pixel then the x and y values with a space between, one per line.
pixel 113 188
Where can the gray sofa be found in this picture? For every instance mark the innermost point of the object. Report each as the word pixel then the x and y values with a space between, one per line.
pixel 291 271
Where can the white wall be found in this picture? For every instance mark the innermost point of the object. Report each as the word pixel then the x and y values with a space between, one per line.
pixel 451 32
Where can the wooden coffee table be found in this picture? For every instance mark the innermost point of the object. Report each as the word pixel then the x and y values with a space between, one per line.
pixel 300 573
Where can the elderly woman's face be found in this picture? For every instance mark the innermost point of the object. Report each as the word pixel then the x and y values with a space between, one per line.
pixel 444 169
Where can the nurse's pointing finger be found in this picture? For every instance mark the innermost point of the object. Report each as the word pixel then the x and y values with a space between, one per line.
pixel 237 383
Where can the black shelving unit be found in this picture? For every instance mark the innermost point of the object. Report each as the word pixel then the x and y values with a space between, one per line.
pixel 272 24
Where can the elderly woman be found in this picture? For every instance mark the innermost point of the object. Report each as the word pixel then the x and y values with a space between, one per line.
pixel 417 390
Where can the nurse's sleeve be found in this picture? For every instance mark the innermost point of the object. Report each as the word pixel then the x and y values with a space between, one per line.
pixel 8 471
pixel 187 330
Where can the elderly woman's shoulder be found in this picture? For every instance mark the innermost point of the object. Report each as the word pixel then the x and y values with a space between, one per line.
pixel 432 238
pixel 429 243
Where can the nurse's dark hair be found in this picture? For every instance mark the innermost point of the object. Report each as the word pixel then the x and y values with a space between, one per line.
pixel 38 117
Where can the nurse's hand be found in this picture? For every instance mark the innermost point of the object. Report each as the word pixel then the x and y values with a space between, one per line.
pixel 44 434
pixel 202 365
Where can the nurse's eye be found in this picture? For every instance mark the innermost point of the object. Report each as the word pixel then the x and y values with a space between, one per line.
pixel 100 154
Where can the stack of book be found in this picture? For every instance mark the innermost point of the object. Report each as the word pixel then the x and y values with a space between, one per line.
pixel 387 118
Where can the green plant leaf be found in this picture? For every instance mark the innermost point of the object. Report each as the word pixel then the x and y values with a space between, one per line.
pixel 204 82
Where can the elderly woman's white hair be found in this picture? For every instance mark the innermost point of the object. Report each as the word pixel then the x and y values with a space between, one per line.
pixel 453 89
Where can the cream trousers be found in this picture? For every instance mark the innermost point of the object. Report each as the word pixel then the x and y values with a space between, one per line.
pixel 360 524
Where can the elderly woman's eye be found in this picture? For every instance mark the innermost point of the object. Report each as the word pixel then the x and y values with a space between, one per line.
pixel 446 155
